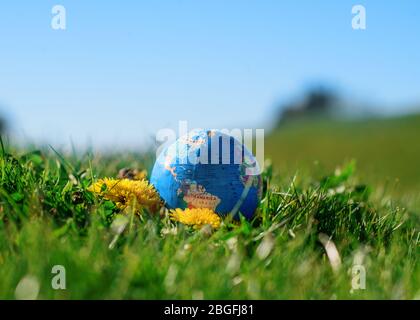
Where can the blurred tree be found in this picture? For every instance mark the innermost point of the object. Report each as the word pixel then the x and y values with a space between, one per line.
pixel 2 125
pixel 318 102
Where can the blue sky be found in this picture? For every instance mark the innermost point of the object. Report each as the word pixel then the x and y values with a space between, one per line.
pixel 122 70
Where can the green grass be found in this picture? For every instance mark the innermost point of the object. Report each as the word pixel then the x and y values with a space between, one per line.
pixel 387 150
pixel 47 218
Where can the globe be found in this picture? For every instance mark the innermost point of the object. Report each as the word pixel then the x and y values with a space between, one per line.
pixel 208 169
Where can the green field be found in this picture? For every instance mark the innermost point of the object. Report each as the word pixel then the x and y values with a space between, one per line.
pixel 315 225
pixel 387 151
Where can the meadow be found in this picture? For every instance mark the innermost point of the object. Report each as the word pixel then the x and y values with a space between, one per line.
pixel 332 212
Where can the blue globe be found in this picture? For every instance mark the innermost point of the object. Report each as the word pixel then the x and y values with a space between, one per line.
pixel 208 169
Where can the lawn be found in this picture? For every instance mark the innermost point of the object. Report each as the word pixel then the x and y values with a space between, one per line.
pixel 317 229
pixel 387 150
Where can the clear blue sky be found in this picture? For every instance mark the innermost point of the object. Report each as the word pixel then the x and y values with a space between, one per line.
pixel 124 69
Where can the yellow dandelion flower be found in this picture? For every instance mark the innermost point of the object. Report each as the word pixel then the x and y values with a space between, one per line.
pixel 127 193
pixel 196 217
pixel 141 175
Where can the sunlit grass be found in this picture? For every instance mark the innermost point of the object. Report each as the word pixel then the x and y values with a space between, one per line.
pixel 48 217
pixel 387 150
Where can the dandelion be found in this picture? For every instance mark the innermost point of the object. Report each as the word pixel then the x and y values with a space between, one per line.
pixel 127 193
pixel 196 217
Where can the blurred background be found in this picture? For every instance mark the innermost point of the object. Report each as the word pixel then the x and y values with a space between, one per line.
pixel 120 71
